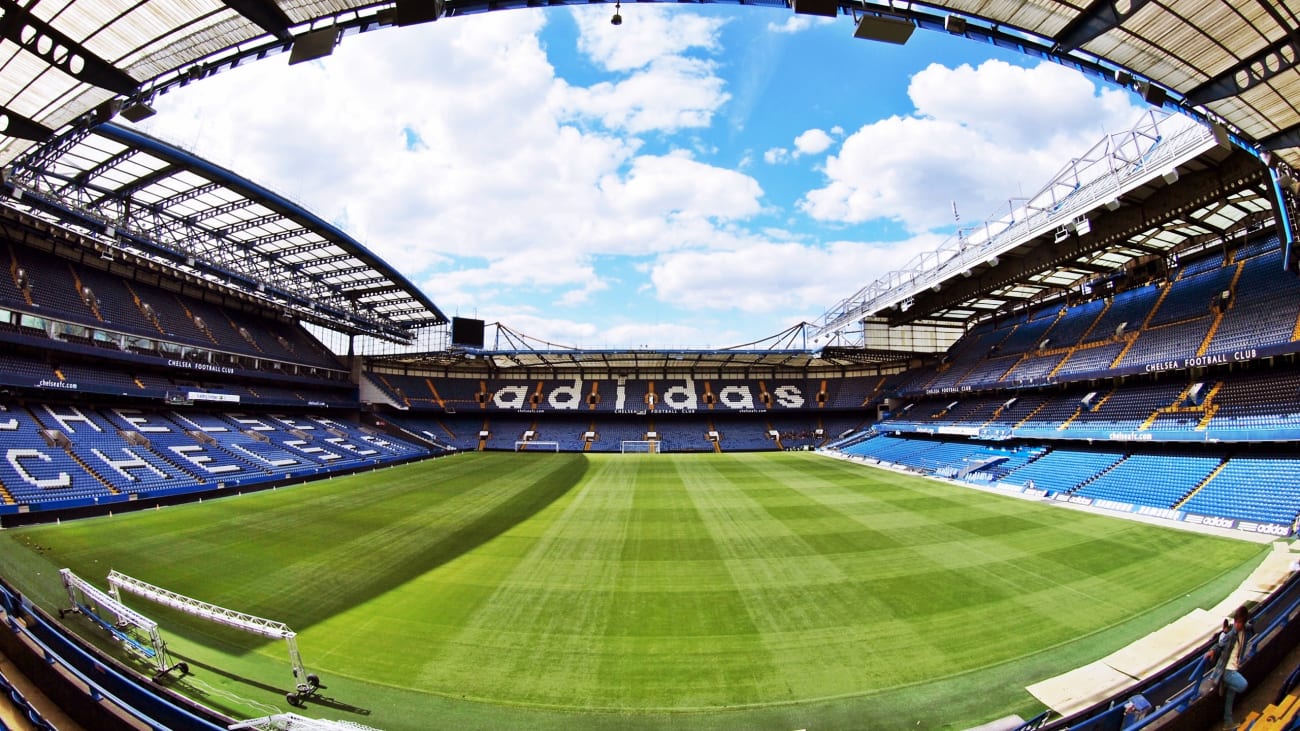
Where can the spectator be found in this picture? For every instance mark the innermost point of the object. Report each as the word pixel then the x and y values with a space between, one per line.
pixel 1228 655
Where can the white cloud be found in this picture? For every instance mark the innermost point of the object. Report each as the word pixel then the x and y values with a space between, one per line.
pixel 812 142
pixel 647 34
pixel 680 187
pixel 776 156
pixel 797 24
pixel 522 181
pixel 765 277
pixel 671 93
pixel 979 136
pixel 510 167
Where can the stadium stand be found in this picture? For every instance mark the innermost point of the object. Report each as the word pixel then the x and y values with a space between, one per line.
pixel 63 455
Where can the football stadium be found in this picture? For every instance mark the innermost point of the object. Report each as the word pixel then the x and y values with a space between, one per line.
pixel 256 478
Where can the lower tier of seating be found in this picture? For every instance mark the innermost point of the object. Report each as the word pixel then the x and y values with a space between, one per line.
pixel 55 456
pixel 597 432
pixel 1251 488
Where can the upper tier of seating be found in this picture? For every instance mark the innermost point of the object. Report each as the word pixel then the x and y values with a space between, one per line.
pixel 54 373
pixel 1245 406
pixel 44 284
pixel 673 395
pixel 1209 311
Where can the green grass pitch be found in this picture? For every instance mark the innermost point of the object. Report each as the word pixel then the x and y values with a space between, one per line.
pixel 747 591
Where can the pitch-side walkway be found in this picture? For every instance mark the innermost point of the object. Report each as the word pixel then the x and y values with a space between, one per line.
pixel 1084 687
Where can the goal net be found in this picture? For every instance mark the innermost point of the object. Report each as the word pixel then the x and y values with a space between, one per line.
pixel 534 446
pixel 641 446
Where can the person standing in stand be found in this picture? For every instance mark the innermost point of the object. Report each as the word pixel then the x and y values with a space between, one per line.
pixel 1228 653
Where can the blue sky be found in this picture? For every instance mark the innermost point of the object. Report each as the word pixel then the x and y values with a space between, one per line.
pixel 700 176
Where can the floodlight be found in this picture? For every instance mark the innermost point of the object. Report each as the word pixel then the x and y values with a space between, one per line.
pixel 313 45
pixel 414 12
pixel 885 28
pixel 824 8
pixel 1151 93
pixel 1082 226
pixel 1062 234
pixel 137 111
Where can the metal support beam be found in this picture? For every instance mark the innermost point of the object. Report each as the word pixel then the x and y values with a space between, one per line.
pixel 1100 17
pixel 1278 57
pixel 83 178
pixel 16 125
pixel 283 235
pixel 267 15
pixel 1289 137
pixel 140 183
pixel 20 26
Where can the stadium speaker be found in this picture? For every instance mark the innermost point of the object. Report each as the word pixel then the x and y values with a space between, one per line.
pixel 414 12
pixel 955 24
pixel 1151 94
pixel 467 332
pixel 824 8
pixel 884 28
pixel 1113 204
pixel 313 45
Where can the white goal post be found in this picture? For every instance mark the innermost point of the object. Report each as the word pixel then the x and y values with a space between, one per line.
pixel 536 446
pixel 640 446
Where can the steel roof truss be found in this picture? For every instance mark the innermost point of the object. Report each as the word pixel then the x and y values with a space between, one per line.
pixel 1278 57
pixel 41 39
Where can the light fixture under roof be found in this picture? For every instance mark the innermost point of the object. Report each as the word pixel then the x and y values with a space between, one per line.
pixel 884 28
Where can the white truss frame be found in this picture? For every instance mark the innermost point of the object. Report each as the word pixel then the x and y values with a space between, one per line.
pixel 1156 145
pixel 294 722
pixel 122 614
pixel 213 613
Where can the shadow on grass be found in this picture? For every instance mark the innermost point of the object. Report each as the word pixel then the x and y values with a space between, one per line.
pixel 316 698
pixel 555 476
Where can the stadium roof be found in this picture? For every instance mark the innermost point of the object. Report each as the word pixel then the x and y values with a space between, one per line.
pixel 60 59
pixel 515 351
pixel 139 196
pixel 67 65
pixel 1164 189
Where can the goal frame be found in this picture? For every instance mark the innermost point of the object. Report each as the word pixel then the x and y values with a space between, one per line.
pixel 651 446
pixel 527 444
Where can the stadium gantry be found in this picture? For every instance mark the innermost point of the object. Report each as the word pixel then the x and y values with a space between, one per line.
pixel 1125 339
